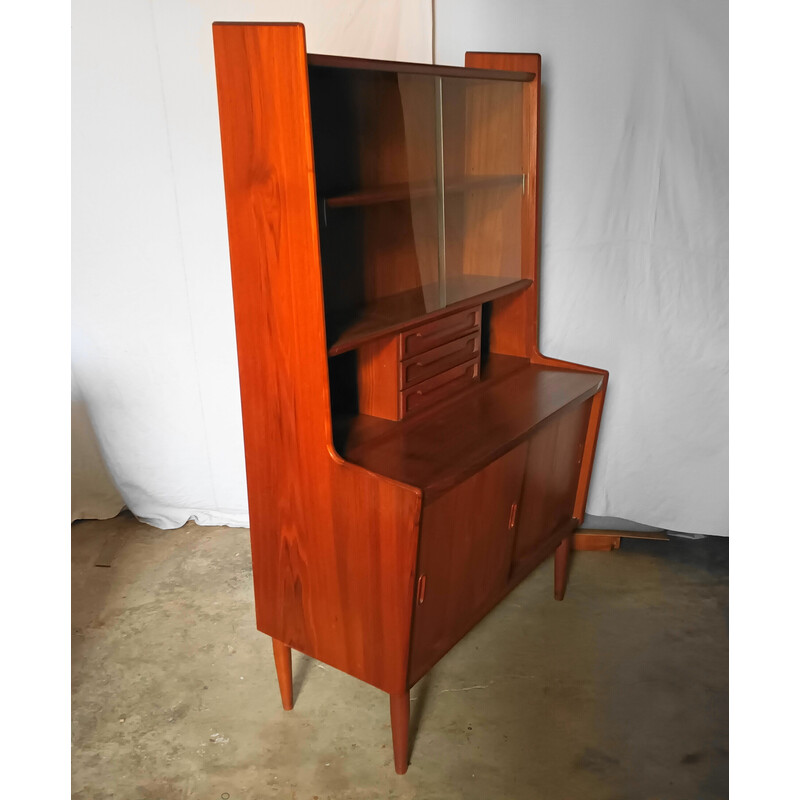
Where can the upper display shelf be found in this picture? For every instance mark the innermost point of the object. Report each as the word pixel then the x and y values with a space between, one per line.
pixel 342 62
pixel 421 181
pixel 414 191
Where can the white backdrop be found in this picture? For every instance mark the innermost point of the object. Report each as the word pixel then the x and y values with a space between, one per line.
pixel 634 257
pixel 635 231
pixel 154 349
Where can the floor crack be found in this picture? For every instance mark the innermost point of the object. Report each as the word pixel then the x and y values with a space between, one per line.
pixel 467 688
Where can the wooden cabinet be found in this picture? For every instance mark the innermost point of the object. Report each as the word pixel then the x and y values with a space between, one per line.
pixel 411 454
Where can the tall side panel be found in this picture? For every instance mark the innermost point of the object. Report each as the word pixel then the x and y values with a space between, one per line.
pixel 333 545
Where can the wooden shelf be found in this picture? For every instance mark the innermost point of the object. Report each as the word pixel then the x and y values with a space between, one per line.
pixel 412 191
pixel 406 309
pixel 438 450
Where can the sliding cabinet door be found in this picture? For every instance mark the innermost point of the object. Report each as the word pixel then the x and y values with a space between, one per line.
pixel 466 543
pixel 550 485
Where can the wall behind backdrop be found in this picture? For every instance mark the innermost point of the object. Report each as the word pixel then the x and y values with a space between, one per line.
pixel 634 257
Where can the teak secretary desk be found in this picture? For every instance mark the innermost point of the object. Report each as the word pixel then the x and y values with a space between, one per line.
pixel 411 455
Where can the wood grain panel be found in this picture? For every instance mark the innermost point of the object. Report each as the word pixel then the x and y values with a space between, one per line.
pixel 379 378
pixel 346 62
pixel 494 145
pixel 409 309
pixel 333 545
pixel 551 480
pixel 464 556
pixel 460 438
pixel 595 541
pixel 515 321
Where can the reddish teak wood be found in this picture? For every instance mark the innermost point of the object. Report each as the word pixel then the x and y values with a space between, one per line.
pixel 561 569
pixel 551 480
pixel 346 62
pixel 307 506
pixel 379 378
pixel 591 539
pixel 400 710
pixel 465 557
pixel 283 666
pixel 377 549
pixel 408 309
pixel 594 542
pixel 440 450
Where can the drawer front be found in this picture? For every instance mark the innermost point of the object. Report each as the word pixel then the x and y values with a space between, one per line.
pixel 438 388
pixel 436 333
pixel 433 362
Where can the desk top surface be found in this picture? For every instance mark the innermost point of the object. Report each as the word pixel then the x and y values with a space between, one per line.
pixel 438 450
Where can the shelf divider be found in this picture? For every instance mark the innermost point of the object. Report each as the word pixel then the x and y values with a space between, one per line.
pixel 404 310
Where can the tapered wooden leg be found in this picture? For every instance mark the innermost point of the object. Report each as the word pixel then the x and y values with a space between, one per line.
pixel 400 708
pixel 562 566
pixel 283 665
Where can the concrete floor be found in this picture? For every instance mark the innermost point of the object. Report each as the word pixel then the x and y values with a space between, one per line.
pixel 618 693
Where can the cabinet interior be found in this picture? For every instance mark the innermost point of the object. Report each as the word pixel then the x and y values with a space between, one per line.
pixel 420 184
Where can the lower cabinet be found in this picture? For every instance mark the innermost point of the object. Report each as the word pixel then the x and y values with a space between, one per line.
pixel 466 543
pixel 479 536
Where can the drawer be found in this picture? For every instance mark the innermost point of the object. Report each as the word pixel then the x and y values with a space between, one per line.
pixel 425 365
pixel 442 330
pixel 441 386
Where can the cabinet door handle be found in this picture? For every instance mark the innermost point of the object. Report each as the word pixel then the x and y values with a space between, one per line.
pixel 421 590
pixel 512 517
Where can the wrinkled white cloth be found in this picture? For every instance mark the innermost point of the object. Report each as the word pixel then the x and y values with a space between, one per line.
pixel 154 348
pixel 635 231
pixel 634 246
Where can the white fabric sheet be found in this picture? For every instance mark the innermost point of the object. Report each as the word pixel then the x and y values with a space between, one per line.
pixel 634 259
pixel 94 495
pixel 153 334
pixel 635 231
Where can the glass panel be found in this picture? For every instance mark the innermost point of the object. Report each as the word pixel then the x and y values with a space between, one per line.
pixel 484 181
pixel 375 160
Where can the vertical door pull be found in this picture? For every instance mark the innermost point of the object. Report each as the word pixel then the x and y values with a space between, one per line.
pixel 421 590
pixel 512 517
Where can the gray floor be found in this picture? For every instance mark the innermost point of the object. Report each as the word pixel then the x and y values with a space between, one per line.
pixel 618 693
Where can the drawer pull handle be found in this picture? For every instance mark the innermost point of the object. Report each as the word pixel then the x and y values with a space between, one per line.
pixel 445 386
pixel 445 357
pixel 451 325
